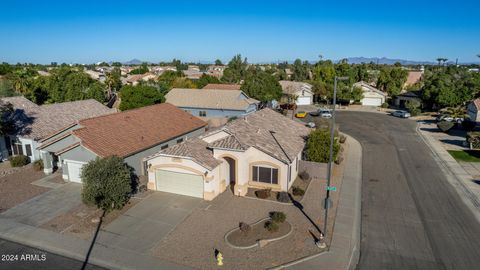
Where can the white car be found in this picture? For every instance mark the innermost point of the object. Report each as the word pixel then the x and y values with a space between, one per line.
pixel 401 114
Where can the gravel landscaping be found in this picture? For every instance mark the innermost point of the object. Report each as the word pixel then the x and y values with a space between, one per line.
pixel 257 232
pixel 16 187
pixel 194 241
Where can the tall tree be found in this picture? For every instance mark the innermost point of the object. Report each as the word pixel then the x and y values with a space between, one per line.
pixel 139 96
pixel 262 86
pixel 236 70
pixel 300 71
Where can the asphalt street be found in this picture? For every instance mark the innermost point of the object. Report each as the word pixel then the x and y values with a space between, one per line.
pixel 412 218
pixel 20 257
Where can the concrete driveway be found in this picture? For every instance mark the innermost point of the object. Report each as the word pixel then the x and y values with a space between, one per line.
pixel 46 206
pixel 144 225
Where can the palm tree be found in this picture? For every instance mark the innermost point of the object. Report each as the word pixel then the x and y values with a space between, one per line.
pixel 109 81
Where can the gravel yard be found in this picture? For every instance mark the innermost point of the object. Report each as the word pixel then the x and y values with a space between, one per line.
pixel 194 240
pixel 16 187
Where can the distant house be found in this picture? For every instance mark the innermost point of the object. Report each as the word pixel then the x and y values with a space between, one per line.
pixel 193 74
pixel 135 79
pixel 414 76
pixel 472 110
pixel 131 135
pixel 401 100
pixel 212 103
pixel 289 73
pixel 33 123
pixel 222 86
pixel 302 91
pixel 260 150
pixel 371 95
pixel 216 71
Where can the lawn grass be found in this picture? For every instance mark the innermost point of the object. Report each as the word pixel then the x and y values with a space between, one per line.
pixel 465 155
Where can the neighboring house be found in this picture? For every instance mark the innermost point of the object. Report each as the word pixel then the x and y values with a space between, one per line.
pixel 192 74
pixel 222 86
pixel 472 110
pixel 132 135
pixel 302 91
pixel 135 79
pixel 414 76
pixel 260 150
pixel 289 73
pixel 401 100
pixel 371 95
pixel 216 71
pixel 212 103
pixel 34 123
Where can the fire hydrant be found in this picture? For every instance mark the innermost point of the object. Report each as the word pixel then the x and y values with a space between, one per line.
pixel 219 259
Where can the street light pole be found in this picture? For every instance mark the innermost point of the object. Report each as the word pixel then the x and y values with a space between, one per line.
pixel 328 203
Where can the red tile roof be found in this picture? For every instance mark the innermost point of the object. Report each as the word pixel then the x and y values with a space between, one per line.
pixel 221 86
pixel 129 132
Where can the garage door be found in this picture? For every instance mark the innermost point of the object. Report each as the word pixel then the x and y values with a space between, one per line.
pixel 179 183
pixel 372 101
pixel 74 171
pixel 304 101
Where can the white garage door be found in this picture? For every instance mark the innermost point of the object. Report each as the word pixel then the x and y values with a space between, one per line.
pixel 74 171
pixel 304 101
pixel 179 183
pixel 372 101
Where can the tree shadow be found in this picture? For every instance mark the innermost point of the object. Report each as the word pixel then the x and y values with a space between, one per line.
pixel 21 121
pixel 92 244
pixel 300 207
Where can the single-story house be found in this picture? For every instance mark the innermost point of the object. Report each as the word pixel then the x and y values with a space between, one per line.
pixel 132 135
pixel 414 76
pixel 212 103
pixel 33 123
pixel 260 150
pixel 302 91
pixel 222 86
pixel 472 110
pixel 401 100
pixel 371 95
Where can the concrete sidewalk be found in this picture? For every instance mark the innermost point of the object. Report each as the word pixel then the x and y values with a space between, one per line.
pixel 344 251
pixel 468 190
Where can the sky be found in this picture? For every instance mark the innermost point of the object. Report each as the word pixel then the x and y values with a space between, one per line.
pixel 84 31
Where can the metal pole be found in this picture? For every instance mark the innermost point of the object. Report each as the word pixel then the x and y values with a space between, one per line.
pixel 329 169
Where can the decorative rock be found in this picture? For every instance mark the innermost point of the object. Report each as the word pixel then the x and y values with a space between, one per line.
pixel 262 243
pixel 95 220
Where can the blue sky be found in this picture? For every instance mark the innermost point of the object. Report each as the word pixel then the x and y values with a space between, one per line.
pixel 91 31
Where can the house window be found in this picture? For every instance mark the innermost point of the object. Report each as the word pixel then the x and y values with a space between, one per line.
pixel 202 113
pixel 17 149
pixel 180 140
pixel 28 149
pixel 164 147
pixel 265 175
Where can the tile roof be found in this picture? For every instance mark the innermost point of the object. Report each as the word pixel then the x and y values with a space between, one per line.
pixel 128 132
pixel 370 88
pixel 196 149
pixel 291 87
pixel 222 86
pixel 413 77
pixel 229 142
pixel 211 99
pixel 476 102
pixel 37 122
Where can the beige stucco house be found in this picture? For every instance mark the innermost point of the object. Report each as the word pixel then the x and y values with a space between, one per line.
pixel 260 150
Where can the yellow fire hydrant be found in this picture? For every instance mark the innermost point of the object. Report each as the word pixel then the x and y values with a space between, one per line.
pixel 219 259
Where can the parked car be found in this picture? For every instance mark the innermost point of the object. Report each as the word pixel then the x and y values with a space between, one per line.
pixel 301 114
pixel 311 125
pixel 401 114
pixel 448 118
pixel 325 113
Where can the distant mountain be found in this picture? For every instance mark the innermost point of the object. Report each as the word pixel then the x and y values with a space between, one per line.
pixel 386 61
pixel 133 62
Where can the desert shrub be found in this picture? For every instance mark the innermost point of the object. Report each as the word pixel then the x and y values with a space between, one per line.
pixel 342 138
pixel 107 183
pixel 297 191
pixel 473 138
pixel 271 226
pixel 263 193
pixel 19 161
pixel 339 160
pixel 469 125
pixel 244 227
pixel 445 126
pixel 278 217
pixel 304 175
pixel 283 197
pixel 38 165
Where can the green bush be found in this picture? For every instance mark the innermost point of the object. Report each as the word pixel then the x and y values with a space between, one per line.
pixel 473 138
pixel 304 175
pixel 271 226
pixel 283 197
pixel 318 146
pixel 445 126
pixel 413 106
pixel 263 193
pixel 278 217
pixel 297 191
pixel 19 161
pixel 107 183
pixel 385 105
pixel 38 165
